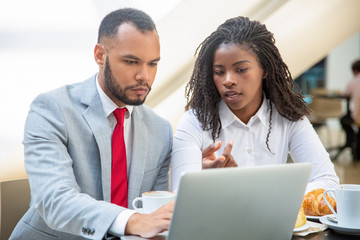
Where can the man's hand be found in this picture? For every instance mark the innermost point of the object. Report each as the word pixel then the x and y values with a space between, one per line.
pixel 149 225
pixel 225 160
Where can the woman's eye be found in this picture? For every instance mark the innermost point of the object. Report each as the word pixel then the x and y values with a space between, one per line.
pixel 218 72
pixel 242 70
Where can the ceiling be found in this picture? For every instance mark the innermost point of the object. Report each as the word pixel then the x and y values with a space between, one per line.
pixel 45 44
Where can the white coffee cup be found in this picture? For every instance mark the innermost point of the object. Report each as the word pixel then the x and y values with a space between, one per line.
pixel 151 201
pixel 347 199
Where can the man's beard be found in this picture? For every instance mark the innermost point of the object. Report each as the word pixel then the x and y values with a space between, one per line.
pixel 117 91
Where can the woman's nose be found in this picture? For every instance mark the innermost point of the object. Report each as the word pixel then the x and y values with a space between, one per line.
pixel 229 80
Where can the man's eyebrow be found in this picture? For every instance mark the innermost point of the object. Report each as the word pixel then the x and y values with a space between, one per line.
pixel 138 59
pixel 131 57
pixel 155 60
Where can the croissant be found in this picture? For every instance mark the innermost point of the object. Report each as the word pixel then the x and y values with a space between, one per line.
pixel 315 205
pixel 301 219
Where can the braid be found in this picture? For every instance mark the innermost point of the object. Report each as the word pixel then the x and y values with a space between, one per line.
pixel 270 125
pixel 202 95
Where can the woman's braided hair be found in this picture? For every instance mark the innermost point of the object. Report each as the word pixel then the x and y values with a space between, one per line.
pixel 202 95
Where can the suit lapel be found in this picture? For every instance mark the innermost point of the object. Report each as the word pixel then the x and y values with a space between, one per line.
pixel 95 117
pixel 139 151
pixel 102 134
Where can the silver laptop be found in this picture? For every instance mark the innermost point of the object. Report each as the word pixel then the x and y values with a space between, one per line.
pixel 239 203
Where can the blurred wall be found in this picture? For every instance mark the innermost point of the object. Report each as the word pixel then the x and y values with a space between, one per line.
pixel 339 60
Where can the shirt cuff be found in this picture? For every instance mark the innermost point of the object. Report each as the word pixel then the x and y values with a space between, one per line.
pixel 117 228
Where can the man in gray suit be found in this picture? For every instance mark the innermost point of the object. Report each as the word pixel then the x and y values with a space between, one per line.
pixel 67 142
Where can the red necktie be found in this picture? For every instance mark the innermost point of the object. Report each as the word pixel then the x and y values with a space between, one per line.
pixel 119 185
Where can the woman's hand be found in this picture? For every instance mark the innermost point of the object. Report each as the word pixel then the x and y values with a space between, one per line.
pixel 209 159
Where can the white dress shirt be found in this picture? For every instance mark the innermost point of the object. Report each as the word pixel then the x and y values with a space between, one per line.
pixel 119 224
pixel 249 149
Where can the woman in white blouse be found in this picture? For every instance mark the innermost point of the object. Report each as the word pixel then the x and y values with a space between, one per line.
pixel 243 109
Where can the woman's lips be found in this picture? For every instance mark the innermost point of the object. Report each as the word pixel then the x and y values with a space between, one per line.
pixel 232 95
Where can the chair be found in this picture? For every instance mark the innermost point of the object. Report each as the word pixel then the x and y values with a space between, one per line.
pixel 14 191
pixel 14 202
pixel 325 105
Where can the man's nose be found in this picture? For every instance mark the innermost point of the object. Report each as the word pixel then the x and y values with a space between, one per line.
pixel 143 74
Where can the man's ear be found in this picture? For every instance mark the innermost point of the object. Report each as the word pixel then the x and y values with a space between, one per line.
pixel 100 55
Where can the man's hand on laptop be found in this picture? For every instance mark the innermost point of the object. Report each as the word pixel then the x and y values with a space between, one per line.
pixel 149 225
pixel 209 160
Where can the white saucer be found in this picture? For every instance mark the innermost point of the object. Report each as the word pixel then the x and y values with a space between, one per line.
pixel 338 228
pixel 302 228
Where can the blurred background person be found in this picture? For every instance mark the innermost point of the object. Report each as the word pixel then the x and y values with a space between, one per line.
pixel 353 92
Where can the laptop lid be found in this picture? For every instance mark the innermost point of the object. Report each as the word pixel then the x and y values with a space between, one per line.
pixel 260 202
pixel 250 203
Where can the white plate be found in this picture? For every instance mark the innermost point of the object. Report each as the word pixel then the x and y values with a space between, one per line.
pixel 302 228
pixel 313 217
pixel 338 228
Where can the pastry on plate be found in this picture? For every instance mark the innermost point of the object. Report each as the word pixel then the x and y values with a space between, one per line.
pixel 315 205
pixel 301 219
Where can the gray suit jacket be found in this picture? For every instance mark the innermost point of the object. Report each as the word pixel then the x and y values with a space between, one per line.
pixel 67 144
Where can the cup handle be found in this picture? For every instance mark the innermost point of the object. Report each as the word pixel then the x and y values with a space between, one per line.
pixel 135 202
pixel 327 202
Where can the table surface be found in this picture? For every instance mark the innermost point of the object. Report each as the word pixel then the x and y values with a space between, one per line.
pixel 328 234
pixel 331 95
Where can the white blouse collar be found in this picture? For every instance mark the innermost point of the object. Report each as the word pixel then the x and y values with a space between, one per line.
pixel 227 117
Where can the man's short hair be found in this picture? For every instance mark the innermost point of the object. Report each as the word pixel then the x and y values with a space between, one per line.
pixel 111 22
